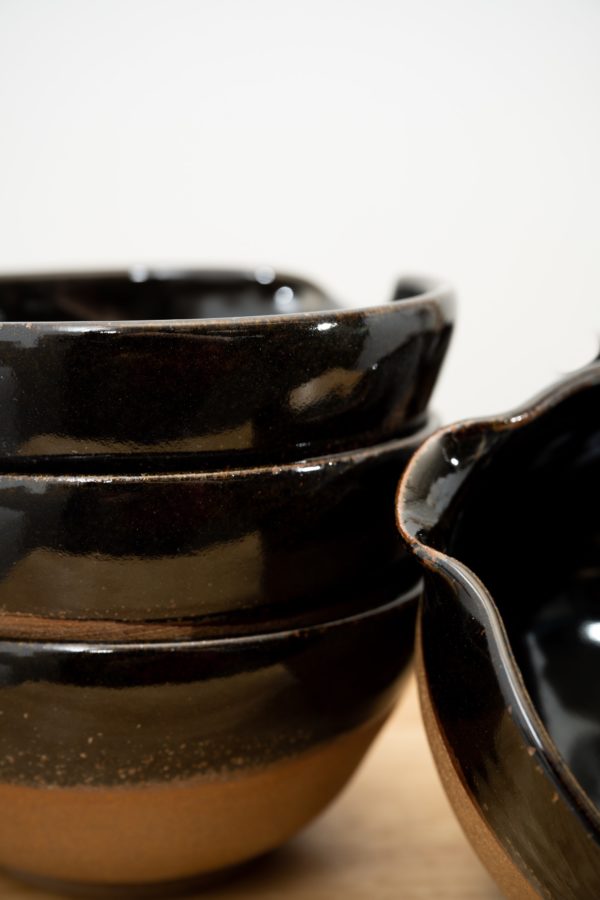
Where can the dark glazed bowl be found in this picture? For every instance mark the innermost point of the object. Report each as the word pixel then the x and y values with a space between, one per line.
pixel 503 514
pixel 137 764
pixel 230 551
pixel 233 368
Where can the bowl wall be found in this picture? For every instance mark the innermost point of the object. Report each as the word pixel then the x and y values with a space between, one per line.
pixel 92 557
pixel 151 763
pixel 220 367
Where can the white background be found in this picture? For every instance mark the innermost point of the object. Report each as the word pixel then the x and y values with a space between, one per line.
pixel 347 141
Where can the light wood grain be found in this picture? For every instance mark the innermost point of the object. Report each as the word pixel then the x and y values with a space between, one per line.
pixel 391 835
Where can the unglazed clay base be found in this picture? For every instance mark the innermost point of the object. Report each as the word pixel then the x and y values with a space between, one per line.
pixel 169 832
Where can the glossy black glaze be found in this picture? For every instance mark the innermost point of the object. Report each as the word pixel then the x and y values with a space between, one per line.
pixel 245 549
pixel 231 368
pixel 131 767
pixel 167 712
pixel 503 514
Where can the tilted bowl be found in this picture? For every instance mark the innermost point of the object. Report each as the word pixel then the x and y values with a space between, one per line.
pixel 92 556
pixel 137 765
pixel 230 367
pixel 503 515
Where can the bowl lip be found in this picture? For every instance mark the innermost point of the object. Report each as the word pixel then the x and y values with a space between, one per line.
pixel 409 596
pixel 429 292
pixel 305 466
pixel 524 712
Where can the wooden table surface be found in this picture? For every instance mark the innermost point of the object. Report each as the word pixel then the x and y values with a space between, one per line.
pixel 390 835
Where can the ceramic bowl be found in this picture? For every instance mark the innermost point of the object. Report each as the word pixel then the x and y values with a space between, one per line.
pixel 92 556
pixel 503 514
pixel 232 368
pixel 127 766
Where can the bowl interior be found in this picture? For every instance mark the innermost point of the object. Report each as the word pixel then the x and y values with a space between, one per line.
pixel 158 294
pixel 526 522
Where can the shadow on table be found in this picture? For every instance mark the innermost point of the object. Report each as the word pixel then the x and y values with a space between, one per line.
pixel 279 873
pixel 272 874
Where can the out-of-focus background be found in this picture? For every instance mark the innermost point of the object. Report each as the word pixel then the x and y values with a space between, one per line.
pixel 347 141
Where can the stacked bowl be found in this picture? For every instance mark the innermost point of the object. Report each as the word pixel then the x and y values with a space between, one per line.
pixel 205 608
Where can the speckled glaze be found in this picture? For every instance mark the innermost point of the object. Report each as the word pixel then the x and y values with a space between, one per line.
pixel 144 763
pixel 223 552
pixel 503 515
pixel 230 368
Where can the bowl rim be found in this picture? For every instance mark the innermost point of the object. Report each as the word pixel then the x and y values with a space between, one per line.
pixel 301 466
pixel 257 638
pixel 410 505
pixel 429 291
